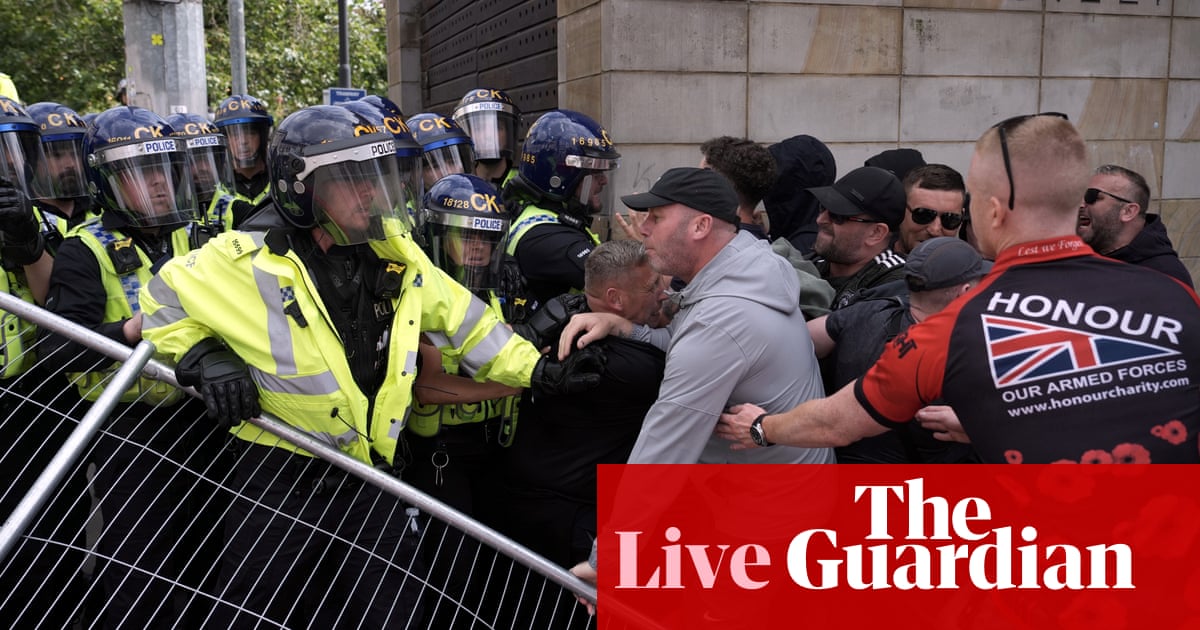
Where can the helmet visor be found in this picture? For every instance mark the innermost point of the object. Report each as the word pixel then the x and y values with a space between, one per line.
pixel 494 133
pixel 361 201
pixel 20 157
pixel 210 165
pixel 247 144
pixel 472 257
pixel 153 189
pixel 60 174
pixel 592 192
pixel 447 160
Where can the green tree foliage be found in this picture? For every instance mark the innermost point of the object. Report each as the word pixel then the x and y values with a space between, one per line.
pixel 73 51
pixel 67 51
pixel 292 50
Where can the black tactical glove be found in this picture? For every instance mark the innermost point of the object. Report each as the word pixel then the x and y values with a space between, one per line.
pixel 223 381
pixel 579 372
pixel 23 242
pixel 545 326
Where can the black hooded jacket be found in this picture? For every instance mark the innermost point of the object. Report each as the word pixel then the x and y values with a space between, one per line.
pixel 803 162
pixel 1152 248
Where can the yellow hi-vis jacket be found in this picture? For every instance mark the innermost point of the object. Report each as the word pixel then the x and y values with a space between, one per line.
pixel 265 307
pixel 121 303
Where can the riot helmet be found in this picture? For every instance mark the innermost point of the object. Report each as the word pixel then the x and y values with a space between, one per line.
pixel 466 227
pixel 208 151
pixel 445 148
pixel 383 113
pixel 491 118
pixel 566 159
pixel 61 174
pixel 247 126
pixel 20 146
pixel 334 169
pixel 136 170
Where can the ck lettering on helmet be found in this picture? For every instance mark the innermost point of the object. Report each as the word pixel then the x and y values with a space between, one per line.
pixel 429 124
pixel 484 202
pixel 394 125
pixel 155 131
pixel 195 129
pixel 10 107
pixel 62 120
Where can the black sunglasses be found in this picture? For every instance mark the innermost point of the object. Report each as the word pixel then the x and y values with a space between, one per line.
pixel 1007 126
pixel 1092 194
pixel 925 216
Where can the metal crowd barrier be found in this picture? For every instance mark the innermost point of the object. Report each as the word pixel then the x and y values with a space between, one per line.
pixel 154 483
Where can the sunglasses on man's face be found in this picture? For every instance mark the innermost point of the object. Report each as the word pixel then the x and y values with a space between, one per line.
pixel 925 216
pixel 1093 194
pixel 1005 127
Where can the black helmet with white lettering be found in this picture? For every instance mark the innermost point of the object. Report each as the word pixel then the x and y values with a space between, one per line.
pixel 467 228
pixel 334 169
pixel 137 170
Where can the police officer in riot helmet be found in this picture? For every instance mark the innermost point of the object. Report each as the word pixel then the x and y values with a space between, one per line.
pixel 208 157
pixel 20 157
pixel 60 184
pixel 561 178
pixel 445 148
pixel 466 226
pixel 491 119
pixel 247 127
pixel 138 176
pixel 387 117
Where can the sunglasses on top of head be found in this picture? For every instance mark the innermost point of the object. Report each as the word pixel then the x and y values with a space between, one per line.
pixel 1006 127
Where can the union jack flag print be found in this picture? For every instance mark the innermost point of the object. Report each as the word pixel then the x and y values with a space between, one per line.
pixel 1021 351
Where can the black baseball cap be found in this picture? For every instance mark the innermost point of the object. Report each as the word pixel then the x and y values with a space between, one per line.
pixel 941 262
pixel 697 188
pixel 865 190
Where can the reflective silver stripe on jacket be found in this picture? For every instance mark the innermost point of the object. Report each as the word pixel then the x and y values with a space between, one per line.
pixel 486 349
pixel 171 311
pixel 278 332
pixel 321 384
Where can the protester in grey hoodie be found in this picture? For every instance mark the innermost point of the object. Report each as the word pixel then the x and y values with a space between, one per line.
pixel 739 335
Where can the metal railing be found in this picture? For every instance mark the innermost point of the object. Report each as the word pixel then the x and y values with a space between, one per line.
pixel 137 515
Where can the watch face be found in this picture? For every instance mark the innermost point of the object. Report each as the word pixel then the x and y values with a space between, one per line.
pixel 756 433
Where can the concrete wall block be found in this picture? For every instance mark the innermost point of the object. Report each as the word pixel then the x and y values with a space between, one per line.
pixel 1182 220
pixel 1102 46
pixel 1118 7
pixel 1110 109
pixel 865 3
pixel 580 44
pixel 955 109
pixel 1138 155
pixel 995 5
pixel 1185 48
pixel 1179 173
pixel 567 7
pixel 670 107
pixel 1183 8
pixel 642 164
pixel 584 95
pixel 953 43
pixel 697 36
pixel 824 40
pixel 1183 110
pixel 834 109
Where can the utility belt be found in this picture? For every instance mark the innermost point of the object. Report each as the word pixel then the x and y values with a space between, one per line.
pixel 490 421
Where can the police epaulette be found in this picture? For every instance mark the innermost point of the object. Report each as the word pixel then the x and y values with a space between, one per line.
pixel 241 243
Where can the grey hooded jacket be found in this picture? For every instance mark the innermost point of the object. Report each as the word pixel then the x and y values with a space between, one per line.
pixel 739 336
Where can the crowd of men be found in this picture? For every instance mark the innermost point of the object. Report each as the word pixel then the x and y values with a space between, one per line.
pixel 407 289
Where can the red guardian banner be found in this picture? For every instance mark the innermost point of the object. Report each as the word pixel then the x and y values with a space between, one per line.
pixel 979 547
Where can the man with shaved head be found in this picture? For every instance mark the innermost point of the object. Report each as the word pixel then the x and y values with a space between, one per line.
pixel 1059 355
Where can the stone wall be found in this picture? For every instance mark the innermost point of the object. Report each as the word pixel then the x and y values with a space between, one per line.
pixel 867 75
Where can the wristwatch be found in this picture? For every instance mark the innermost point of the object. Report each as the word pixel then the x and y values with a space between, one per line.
pixel 756 432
